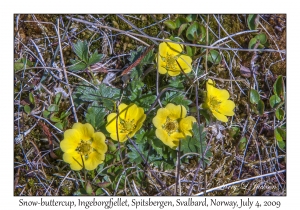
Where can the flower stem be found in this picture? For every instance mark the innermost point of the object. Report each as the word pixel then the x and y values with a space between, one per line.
pixel 178 168
pixel 91 72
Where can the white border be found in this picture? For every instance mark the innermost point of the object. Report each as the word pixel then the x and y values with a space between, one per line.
pixel 8 8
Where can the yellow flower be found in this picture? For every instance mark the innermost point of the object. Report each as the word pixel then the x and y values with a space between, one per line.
pixel 169 53
pixel 172 124
pixel 217 101
pixel 130 120
pixel 83 147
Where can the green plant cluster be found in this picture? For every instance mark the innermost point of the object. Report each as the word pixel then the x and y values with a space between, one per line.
pixel 101 100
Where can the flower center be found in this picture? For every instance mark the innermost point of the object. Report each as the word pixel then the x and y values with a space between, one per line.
pixel 170 126
pixel 214 103
pixel 84 148
pixel 170 62
pixel 127 126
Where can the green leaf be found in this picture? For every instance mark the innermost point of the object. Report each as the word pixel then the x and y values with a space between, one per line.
pixel 262 38
pixel 146 100
pixel 254 96
pixel 27 109
pixel 77 65
pixel 111 146
pixel 252 43
pixel 54 118
pixel 279 113
pixel 167 165
pixel 105 94
pixel 18 66
pixel 31 98
pixel 214 57
pixel 80 191
pixel 180 21
pixel 191 17
pixel 274 101
pixel 180 99
pixel 57 98
pixel 261 107
pixel 133 155
pixel 59 125
pixel 281 144
pixel 170 24
pixel 141 136
pixel 134 89
pixel 280 134
pixel 176 82
pixel 64 114
pixel 46 113
pixel 278 86
pixel 22 63
pixel 182 28
pixel 53 108
pixel 95 115
pixel 81 50
pixel 88 188
pixel 136 54
pixel 242 143
pixel 176 98
pixel 252 23
pixel 192 144
pixel 99 191
pixel 148 59
pixel 234 131
pixel 191 51
pixel 157 145
pixel 195 31
pixel 95 58
pixel 205 114
pixel 137 71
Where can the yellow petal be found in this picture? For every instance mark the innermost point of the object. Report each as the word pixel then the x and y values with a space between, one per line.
pixel 185 63
pixel 164 137
pixel 188 133
pixel 122 110
pixel 186 124
pixel 160 117
pixel 99 143
pixel 169 48
pixel 86 130
pixel 219 94
pixel 122 136
pixel 219 116
pixel 176 137
pixel 139 124
pixel 174 72
pixel 176 111
pixel 209 85
pixel 161 66
pixel 141 116
pixel 226 108
pixel 71 140
pixel 135 112
pixel 111 123
pixel 74 159
pixel 94 160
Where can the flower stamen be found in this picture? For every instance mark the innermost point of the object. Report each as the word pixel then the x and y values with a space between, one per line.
pixel 170 62
pixel 170 126
pixel 127 126
pixel 84 148
pixel 214 103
